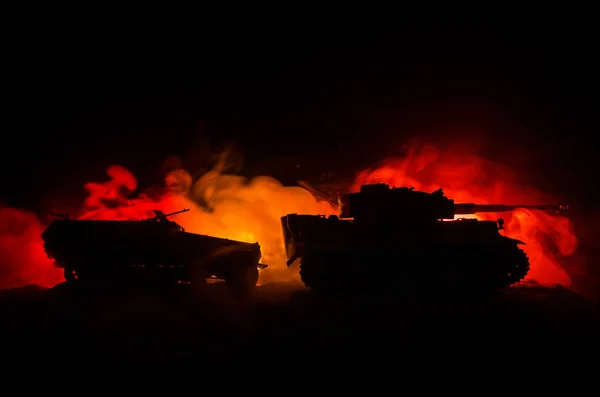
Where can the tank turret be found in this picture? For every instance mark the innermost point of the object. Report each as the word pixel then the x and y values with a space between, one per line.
pixel 379 202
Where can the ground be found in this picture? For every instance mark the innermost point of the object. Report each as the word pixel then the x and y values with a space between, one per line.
pixel 287 321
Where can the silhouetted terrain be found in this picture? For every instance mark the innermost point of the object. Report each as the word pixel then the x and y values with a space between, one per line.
pixel 285 322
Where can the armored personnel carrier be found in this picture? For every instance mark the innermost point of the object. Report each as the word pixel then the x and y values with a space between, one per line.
pixel 154 250
pixel 390 238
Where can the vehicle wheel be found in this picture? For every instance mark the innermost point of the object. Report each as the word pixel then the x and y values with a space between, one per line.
pixel 242 280
pixel 196 273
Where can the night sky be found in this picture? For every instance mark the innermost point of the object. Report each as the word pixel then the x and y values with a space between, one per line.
pixel 75 105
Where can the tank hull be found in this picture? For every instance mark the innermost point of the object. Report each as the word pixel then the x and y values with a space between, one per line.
pixel 132 252
pixel 340 255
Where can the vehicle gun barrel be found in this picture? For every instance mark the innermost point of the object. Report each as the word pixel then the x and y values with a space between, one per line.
pixel 177 212
pixel 159 215
pixel 314 191
pixel 471 208
pixel 61 216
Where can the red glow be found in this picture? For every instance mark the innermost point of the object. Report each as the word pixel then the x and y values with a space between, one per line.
pixel 23 258
pixel 233 207
pixel 468 178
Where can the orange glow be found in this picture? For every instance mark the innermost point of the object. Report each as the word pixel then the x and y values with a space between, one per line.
pixel 230 206
pixel 467 178
pixel 226 206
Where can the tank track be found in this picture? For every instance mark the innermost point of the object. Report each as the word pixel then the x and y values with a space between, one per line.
pixel 489 267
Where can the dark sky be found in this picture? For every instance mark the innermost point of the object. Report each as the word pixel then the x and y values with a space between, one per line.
pixel 77 104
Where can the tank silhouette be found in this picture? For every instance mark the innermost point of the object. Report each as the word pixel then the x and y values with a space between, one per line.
pixel 155 250
pixel 397 237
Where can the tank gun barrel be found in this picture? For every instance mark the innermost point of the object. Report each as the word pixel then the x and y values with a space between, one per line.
pixel 159 215
pixel 314 191
pixel 471 208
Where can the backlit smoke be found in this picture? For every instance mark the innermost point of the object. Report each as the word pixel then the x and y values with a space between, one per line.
pixel 468 178
pixel 249 210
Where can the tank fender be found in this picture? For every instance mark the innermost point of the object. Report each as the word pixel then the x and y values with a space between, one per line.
pixel 514 240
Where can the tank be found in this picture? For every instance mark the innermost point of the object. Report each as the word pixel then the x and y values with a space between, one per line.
pixel 153 251
pixel 391 238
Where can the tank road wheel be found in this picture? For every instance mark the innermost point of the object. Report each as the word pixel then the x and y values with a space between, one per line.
pixel 508 266
pixel 309 273
pixel 242 280
pixel 317 272
pixel 519 266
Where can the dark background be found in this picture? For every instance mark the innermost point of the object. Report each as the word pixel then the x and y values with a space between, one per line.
pixel 78 101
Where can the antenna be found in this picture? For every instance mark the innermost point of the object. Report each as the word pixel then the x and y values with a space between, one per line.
pixel 61 216
pixel 314 191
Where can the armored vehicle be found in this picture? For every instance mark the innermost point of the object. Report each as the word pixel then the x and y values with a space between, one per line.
pixel 155 251
pixel 390 238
